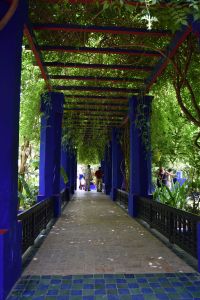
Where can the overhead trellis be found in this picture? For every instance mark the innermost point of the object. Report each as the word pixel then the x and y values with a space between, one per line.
pixel 98 58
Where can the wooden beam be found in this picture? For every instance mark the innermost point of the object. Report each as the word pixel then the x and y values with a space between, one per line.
pixel 100 98
pixel 34 47
pixel 58 64
pixel 95 89
pixel 95 113
pixel 129 2
pixel 70 49
pixel 93 78
pixel 178 39
pixel 97 110
pixel 96 104
pixel 101 29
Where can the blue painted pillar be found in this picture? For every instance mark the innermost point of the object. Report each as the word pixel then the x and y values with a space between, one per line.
pixel 116 163
pixel 75 170
pixel 72 171
pixel 64 166
pixel 140 155
pixel 196 29
pixel 68 163
pixel 198 245
pixel 102 169
pixel 50 147
pixel 10 75
pixel 108 169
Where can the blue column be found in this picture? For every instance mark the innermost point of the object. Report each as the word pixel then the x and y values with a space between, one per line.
pixel 140 155
pixel 108 169
pixel 75 170
pixel 102 168
pixel 72 171
pixel 198 245
pixel 196 28
pixel 50 147
pixel 10 75
pixel 116 162
pixel 64 166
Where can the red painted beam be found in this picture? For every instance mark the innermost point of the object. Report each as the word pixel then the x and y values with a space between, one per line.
pixel 38 59
pixel 101 29
pixel 179 38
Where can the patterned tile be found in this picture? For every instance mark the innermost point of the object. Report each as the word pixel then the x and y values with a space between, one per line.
pixel 184 286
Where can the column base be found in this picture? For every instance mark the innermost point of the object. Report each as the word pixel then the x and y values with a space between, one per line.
pixel 10 259
pixel 132 205
pixel 107 189
pixel 113 194
pixel 57 205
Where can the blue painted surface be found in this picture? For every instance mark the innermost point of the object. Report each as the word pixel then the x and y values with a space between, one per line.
pixel 64 166
pixel 10 74
pixel 166 286
pixel 198 245
pixel 116 163
pixel 140 157
pixel 196 28
pixel 108 168
pixel 50 144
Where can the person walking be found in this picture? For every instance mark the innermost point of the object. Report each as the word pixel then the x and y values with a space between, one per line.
pixel 98 174
pixel 88 177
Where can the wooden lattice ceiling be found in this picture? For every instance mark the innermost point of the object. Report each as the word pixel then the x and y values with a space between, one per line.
pixel 97 61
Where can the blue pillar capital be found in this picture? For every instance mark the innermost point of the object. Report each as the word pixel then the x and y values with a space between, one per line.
pixel 52 102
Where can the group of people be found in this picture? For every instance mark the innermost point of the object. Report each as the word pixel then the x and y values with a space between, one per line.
pixel 86 178
pixel 165 177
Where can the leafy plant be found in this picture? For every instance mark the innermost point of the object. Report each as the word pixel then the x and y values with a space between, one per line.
pixel 176 197
pixel 28 197
pixel 64 175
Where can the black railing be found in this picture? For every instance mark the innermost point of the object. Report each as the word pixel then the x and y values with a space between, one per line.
pixel 178 226
pixel 34 220
pixel 122 198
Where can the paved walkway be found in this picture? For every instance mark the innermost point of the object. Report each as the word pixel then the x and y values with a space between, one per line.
pixel 95 236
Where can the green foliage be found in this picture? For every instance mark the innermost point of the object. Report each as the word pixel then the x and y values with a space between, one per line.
pixel 32 86
pixel 176 197
pixel 64 175
pixel 171 134
pixel 28 197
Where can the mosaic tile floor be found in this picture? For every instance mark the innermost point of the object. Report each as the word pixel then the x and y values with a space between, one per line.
pixel 109 287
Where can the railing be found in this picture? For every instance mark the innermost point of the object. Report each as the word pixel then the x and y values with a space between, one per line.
pixel 122 198
pixel 34 220
pixel 177 225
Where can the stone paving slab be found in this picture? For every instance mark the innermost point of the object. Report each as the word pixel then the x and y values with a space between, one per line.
pixel 164 286
pixel 95 236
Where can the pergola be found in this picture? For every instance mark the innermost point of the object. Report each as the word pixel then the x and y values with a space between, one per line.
pixel 96 71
